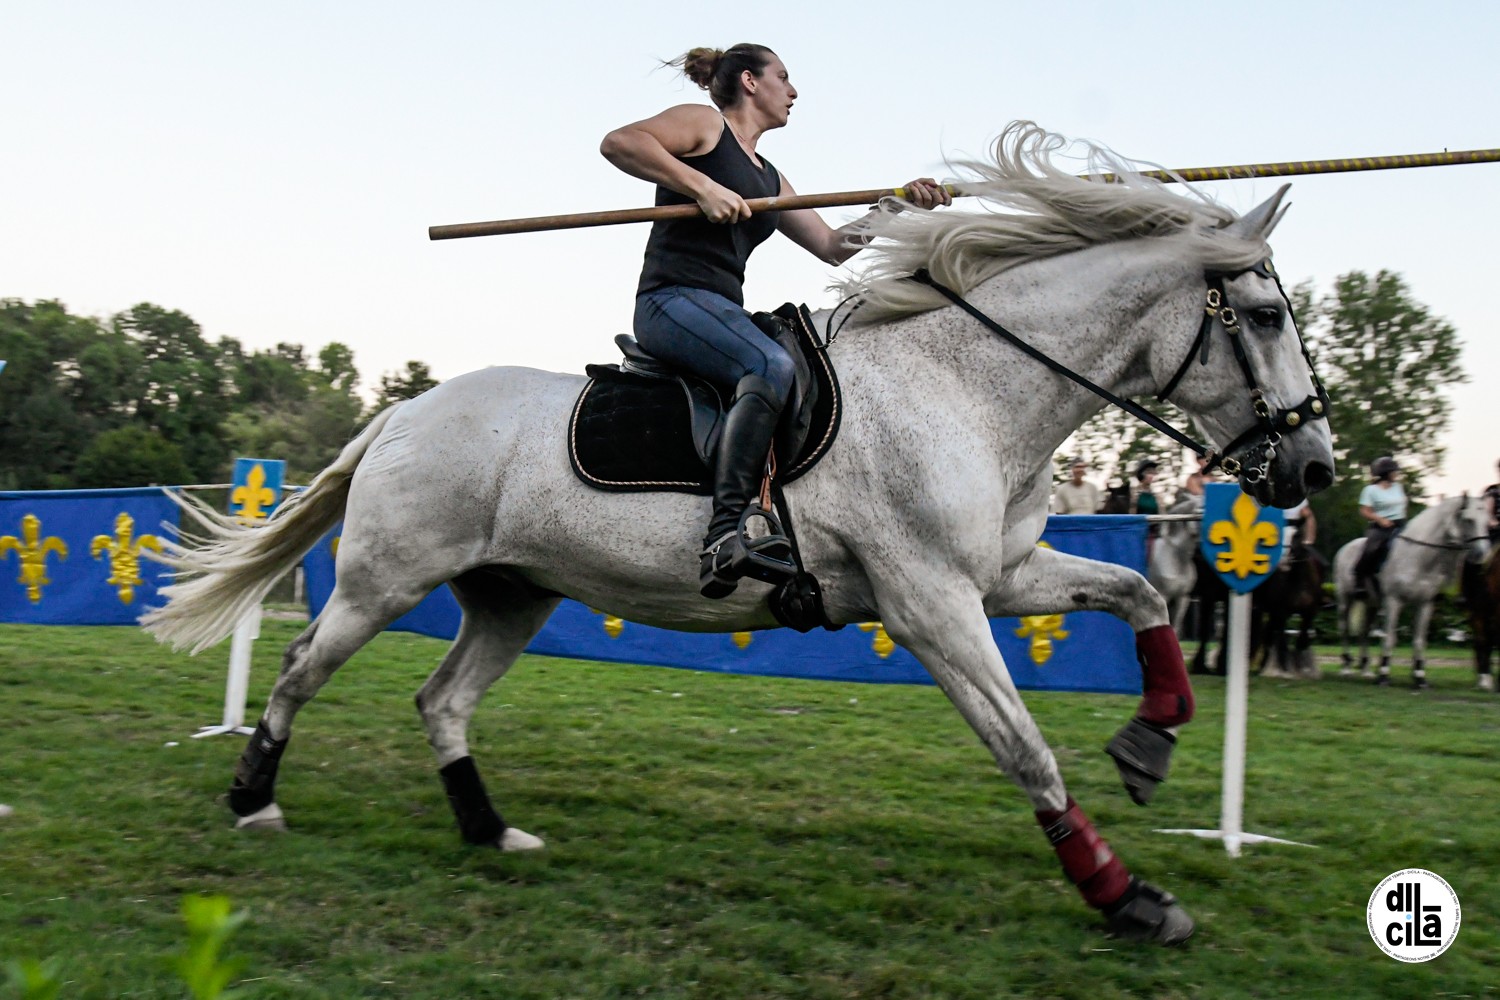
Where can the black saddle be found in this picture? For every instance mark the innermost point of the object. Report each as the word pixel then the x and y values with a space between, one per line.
pixel 642 425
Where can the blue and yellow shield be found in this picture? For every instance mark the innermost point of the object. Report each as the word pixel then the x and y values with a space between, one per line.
pixel 1240 539
pixel 256 489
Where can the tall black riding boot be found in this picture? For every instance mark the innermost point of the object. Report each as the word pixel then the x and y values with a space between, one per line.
pixel 729 554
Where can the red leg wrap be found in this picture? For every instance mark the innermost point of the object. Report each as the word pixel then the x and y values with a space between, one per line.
pixel 1086 858
pixel 1167 698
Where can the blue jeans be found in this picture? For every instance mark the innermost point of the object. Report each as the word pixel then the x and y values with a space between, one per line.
pixel 708 335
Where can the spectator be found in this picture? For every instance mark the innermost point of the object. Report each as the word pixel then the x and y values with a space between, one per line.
pixel 1192 486
pixel 1078 495
pixel 1492 507
pixel 1145 500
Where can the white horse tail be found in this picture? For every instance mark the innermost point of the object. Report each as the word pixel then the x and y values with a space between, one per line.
pixel 230 567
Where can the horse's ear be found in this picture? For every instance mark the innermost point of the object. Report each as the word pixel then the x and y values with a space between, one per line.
pixel 1260 220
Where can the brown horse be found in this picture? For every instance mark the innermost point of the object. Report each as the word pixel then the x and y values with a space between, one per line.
pixel 1481 590
pixel 1295 588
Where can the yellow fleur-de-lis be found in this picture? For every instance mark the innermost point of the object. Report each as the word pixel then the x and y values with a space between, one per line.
pixel 613 625
pixel 1244 535
pixel 742 639
pixel 881 644
pixel 1043 630
pixel 32 549
pixel 124 555
pixel 253 496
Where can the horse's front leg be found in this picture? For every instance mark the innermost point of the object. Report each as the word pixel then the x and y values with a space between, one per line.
pixel 943 623
pixel 1392 620
pixel 1421 620
pixel 1052 582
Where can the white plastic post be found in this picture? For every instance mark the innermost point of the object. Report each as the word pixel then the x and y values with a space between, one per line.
pixel 237 687
pixel 1236 710
pixel 1236 702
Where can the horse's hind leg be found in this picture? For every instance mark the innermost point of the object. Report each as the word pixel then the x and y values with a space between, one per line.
pixel 346 624
pixel 501 616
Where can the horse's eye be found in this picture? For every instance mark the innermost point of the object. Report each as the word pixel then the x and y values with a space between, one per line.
pixel 1266 316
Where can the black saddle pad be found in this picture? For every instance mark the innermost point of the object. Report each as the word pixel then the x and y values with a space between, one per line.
pixel 632 433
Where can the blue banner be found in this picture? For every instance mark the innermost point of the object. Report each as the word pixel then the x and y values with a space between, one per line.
pixel 73 557
pixel 1081 651
pixel 1240 539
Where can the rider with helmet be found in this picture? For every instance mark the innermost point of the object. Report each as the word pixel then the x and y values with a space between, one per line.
pixel 1383 504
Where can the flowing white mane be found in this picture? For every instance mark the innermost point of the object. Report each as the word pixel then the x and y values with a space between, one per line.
pixel 1047 212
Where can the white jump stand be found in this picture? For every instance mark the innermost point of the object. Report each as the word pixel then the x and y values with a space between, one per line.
pixel 238 684
pixel 1236 705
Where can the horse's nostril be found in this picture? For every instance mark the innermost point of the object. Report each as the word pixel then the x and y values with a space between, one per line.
pixel 1317 476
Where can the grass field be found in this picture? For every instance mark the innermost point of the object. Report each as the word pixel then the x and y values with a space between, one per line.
pixel 714 836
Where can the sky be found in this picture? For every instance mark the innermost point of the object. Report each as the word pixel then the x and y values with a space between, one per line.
pixel 271 169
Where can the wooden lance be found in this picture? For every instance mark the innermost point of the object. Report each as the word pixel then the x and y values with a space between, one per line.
pixel 1292 168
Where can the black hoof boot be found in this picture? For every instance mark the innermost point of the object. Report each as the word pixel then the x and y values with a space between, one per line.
pixel 1146 913
pixel 735 555
pixel 1142 752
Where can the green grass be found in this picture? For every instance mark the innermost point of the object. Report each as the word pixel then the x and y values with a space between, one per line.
pixel 714 836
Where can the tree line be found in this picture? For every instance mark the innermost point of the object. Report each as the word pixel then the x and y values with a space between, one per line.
pixel 145 398
pixel 1386 360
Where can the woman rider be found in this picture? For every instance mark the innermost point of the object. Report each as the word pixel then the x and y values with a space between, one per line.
pixel 1383 504
pixel 690 302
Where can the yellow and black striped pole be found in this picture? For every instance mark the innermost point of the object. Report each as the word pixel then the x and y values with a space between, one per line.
pixel 1292 168
pixel 1296 168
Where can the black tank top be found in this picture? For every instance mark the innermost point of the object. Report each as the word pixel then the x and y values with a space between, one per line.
pixel 708 255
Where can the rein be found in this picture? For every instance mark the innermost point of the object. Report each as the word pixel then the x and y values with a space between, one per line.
pixel 1270 424
pixel 1448 546
pixel 1458 546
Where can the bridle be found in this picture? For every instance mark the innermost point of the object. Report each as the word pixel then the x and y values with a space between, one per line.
pixel 1260 440
pixel 1250 454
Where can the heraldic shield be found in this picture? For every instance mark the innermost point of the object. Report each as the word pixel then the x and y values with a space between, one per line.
pixel 1241 540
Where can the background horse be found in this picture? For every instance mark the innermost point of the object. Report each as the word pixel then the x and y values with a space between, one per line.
pixel 1424 557
pixel 1481 590
pixel 1171 570
pixel 1295 588
pixel 925 513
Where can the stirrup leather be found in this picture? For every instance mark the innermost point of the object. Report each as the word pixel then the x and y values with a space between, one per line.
pixel 735 555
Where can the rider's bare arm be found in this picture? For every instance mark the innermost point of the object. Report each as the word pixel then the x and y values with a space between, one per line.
pixel 807 229
pixel 649 149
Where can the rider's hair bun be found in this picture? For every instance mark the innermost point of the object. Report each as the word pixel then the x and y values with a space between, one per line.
pixel 699 64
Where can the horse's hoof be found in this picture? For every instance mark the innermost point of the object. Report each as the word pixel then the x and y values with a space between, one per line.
pixel 1382 680
pixel 1419 684
pixel 519 840
pixel 1486 682
pixel 1142 753
pixel 1149 914
pixel 269 818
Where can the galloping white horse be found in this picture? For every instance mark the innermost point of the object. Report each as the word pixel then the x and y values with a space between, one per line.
pixel 925 513
pixel 1423 558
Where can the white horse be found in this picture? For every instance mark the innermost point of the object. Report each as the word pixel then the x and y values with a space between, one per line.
pixel 1423 558
pixel 1171 570
pixel 925 513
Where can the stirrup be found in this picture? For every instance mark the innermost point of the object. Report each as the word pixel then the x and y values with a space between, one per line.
pixel 735 555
